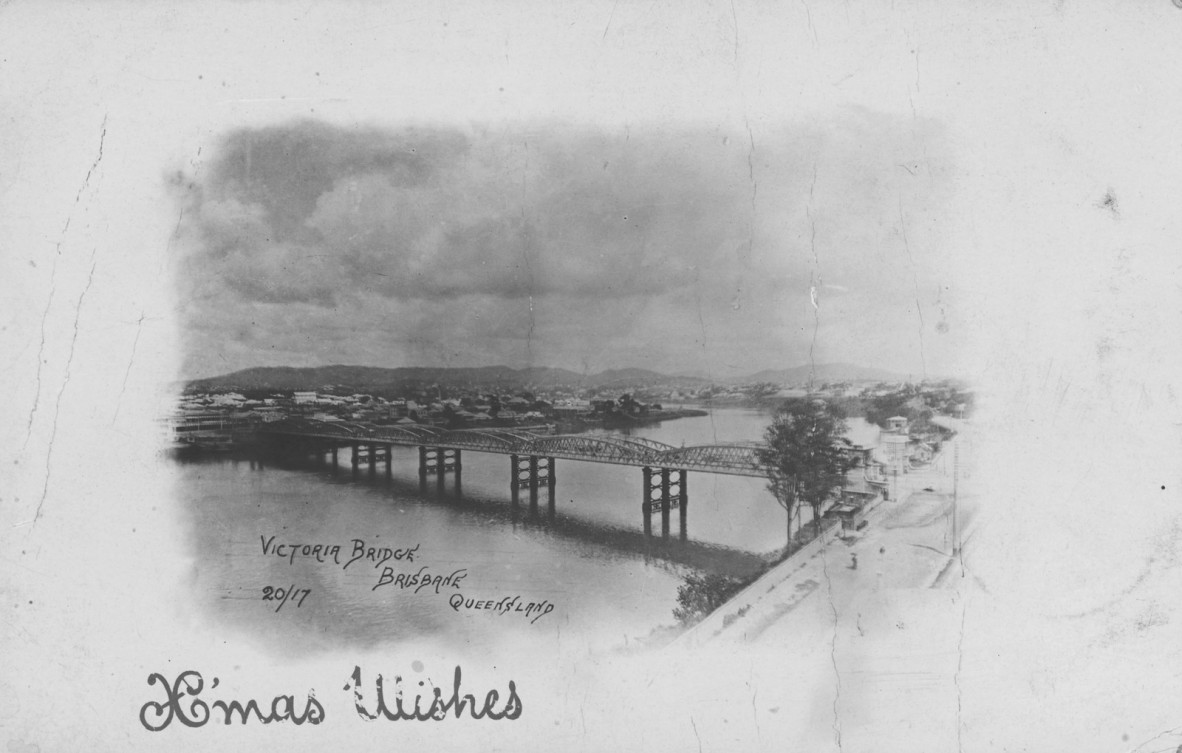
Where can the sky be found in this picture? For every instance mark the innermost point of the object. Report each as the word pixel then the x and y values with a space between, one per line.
pixel 681 248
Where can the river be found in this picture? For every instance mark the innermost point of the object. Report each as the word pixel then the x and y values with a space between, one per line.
pixel 604 584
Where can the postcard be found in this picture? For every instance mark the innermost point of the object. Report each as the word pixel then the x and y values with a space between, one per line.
pixel 590 376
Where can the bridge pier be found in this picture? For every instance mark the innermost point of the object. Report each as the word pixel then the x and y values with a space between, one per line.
pixel 660 497
pixel 438 461
pixel 533 483
pixel 551 482
pixel 665 505
pixel 646 507
pixel 531 472
pixel 531 462
pixel 513 478
pixel 683 488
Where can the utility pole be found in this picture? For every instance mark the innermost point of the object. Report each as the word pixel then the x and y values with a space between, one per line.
pixel 955 483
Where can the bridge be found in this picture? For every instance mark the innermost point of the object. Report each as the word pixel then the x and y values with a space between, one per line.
pixel 532 457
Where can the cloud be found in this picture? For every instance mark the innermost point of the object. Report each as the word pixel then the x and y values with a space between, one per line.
pixel 561 243
pixel 284 169
pixel 288 213
pixel 241 250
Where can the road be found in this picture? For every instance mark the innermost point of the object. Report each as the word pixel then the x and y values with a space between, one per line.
pixel 870 644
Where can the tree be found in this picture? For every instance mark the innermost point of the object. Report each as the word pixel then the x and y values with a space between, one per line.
pixel 908 402
pixel 805 457
pixel 702 594
pixel 628 405
pixel 881 407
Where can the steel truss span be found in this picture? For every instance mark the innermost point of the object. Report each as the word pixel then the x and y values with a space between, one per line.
pixel 730 459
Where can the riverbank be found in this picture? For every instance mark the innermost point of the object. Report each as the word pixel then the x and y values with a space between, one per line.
pixel 905 545
pixel 623 420
pixel 244 439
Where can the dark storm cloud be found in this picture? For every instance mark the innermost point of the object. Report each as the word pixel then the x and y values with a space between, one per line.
pixel 284 170
pixel 564 246
pixel 308 213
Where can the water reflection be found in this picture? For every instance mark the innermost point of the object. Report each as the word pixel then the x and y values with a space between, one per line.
pixel 540 515
pixel 587 555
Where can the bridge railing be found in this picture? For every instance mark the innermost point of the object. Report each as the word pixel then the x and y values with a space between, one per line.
pixel 733 459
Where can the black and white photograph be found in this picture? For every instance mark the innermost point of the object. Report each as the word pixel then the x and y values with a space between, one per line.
pixel 591 376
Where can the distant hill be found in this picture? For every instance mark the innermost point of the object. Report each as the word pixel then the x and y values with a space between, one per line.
pixel 367 378
pixel 822 372
pixel 636 376
pixel 372 377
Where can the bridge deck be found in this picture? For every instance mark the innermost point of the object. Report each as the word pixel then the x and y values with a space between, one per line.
pixel 729 459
